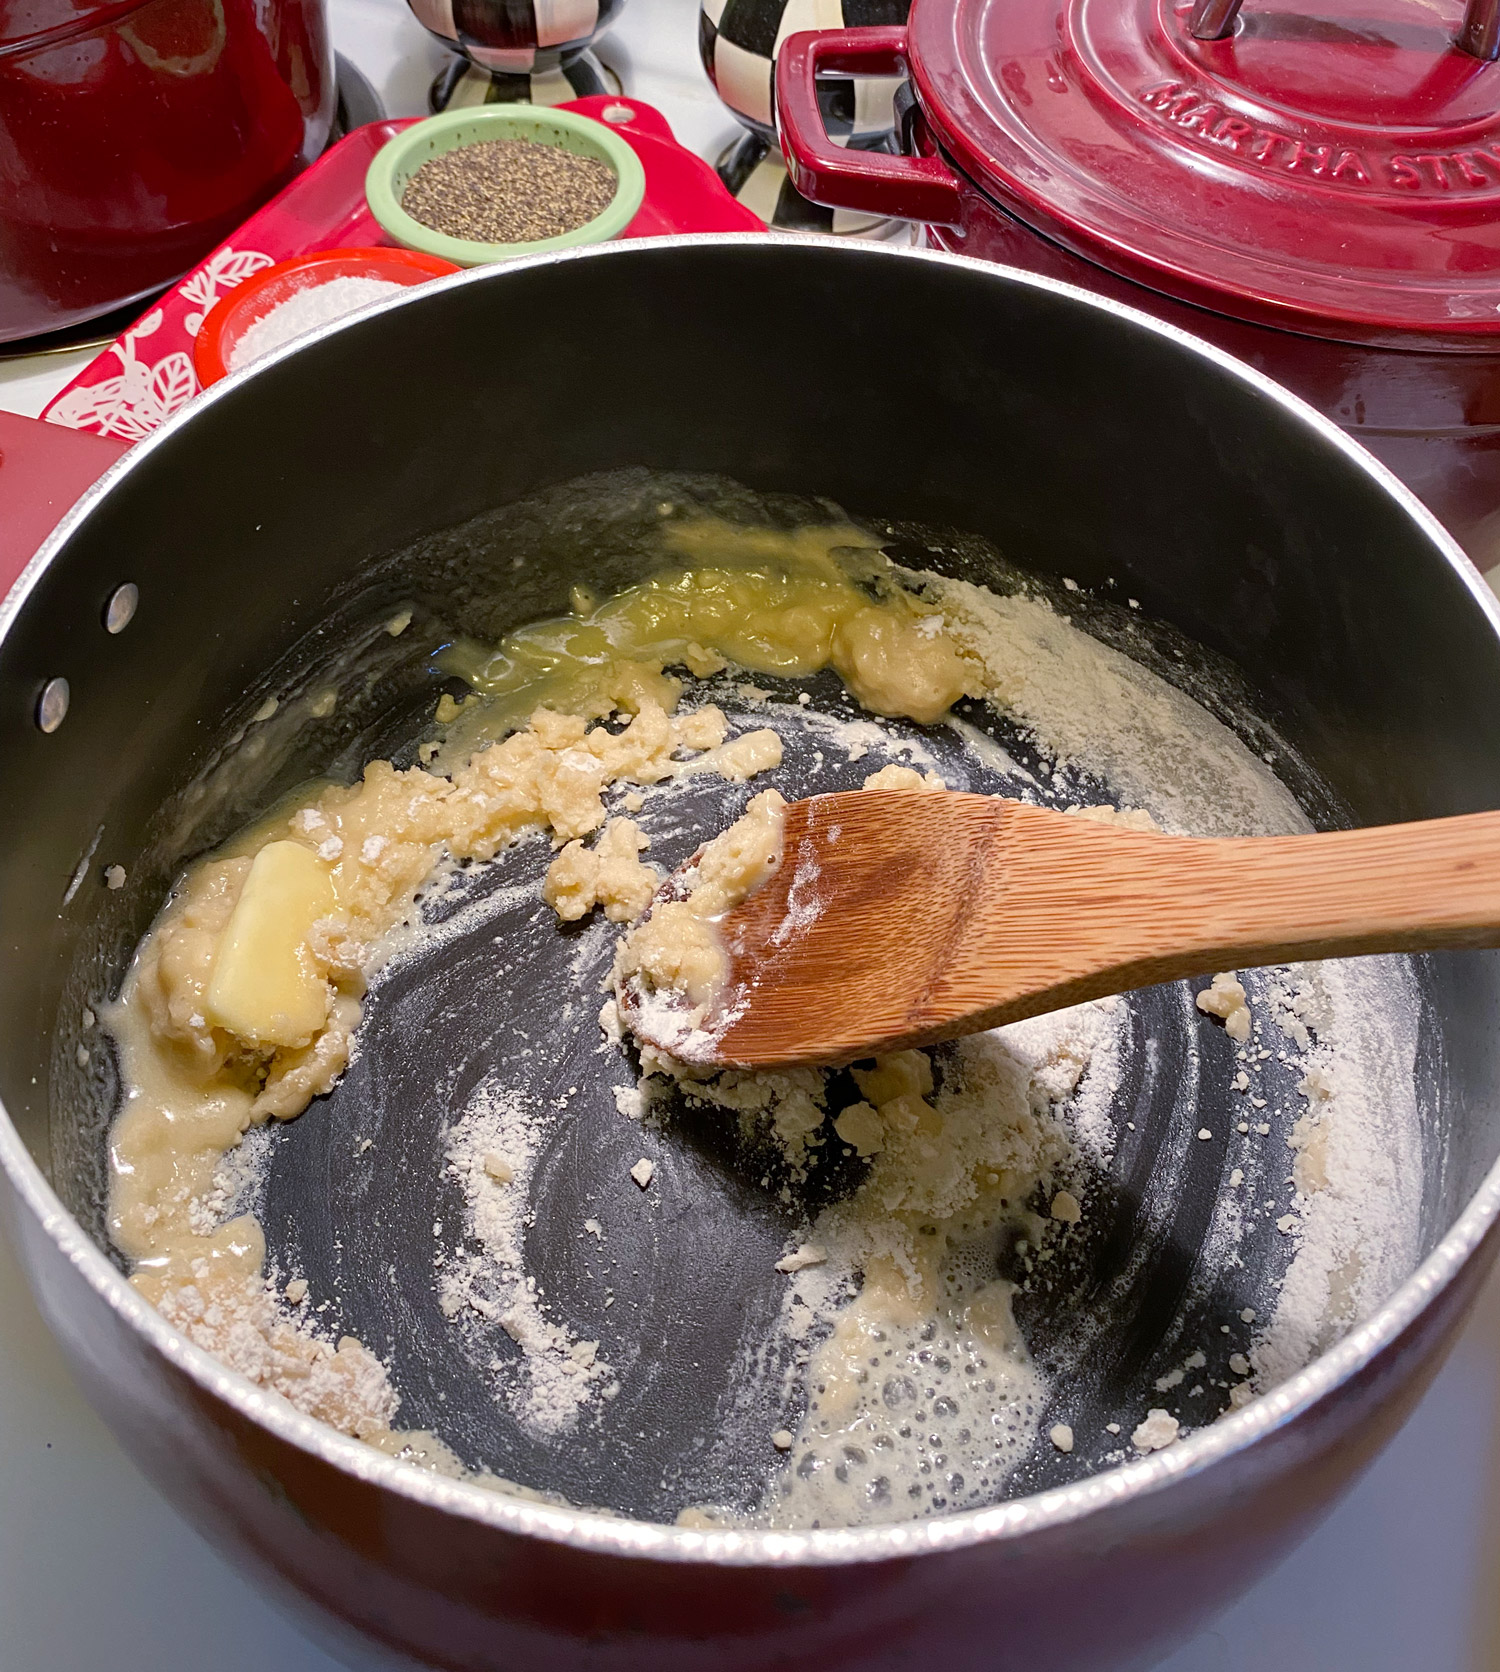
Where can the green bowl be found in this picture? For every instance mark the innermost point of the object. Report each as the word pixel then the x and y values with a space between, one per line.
pixel 400 158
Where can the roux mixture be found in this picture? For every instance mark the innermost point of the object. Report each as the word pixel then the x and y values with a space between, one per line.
pixel 917 1392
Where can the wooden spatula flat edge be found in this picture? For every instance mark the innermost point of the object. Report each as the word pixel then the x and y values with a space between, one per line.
pixel 922 916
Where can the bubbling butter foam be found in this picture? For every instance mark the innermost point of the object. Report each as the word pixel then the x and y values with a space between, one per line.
pixel 913 1409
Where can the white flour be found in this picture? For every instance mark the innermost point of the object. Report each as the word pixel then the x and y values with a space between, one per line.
pixel 1357 1163
pixel 305 310
pixel 1074 1058
pixel 491 1151
pixel 1096 709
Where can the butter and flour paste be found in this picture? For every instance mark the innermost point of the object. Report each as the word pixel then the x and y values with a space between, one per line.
pixel 910 1388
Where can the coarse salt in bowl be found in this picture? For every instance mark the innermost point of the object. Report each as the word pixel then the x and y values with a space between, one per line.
pixel 395 164
pixel 284 302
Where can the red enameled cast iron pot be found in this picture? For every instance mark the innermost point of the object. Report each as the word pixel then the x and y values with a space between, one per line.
pixel 136 136
pixel 1316 190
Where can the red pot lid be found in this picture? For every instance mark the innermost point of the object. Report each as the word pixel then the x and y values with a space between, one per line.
pixel 1332 167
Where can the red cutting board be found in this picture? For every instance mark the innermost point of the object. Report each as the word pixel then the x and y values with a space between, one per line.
pixel 147 374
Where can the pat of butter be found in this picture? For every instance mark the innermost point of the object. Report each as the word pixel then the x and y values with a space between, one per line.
pixel 265 986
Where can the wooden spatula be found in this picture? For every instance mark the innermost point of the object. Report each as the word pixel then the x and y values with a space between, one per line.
pixel 941 914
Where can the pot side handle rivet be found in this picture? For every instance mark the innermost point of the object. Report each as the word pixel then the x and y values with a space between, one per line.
pixel 120 610
pixel 52 705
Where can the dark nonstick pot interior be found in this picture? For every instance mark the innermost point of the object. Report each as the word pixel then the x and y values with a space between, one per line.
pixel 417 457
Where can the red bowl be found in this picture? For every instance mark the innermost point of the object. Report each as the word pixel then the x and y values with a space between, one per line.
pixel 251 301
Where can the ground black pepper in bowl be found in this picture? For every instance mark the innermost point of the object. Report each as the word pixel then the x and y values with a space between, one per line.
pixel 508 191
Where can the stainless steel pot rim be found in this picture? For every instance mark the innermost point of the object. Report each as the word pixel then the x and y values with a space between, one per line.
pixel 605 1534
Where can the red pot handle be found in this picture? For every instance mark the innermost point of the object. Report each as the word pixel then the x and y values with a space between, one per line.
pixel 907 188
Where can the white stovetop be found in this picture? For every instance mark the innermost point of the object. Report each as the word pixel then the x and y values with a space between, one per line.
pixel 95 1571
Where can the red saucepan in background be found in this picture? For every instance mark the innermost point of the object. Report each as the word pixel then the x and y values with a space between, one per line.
pixel 134 136
pixel 1315 188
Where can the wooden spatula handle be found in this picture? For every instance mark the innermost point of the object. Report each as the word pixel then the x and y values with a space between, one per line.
pixel 1088 904
pixel 920 917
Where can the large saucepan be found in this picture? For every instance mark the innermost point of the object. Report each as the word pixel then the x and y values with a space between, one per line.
pixel 1085 440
